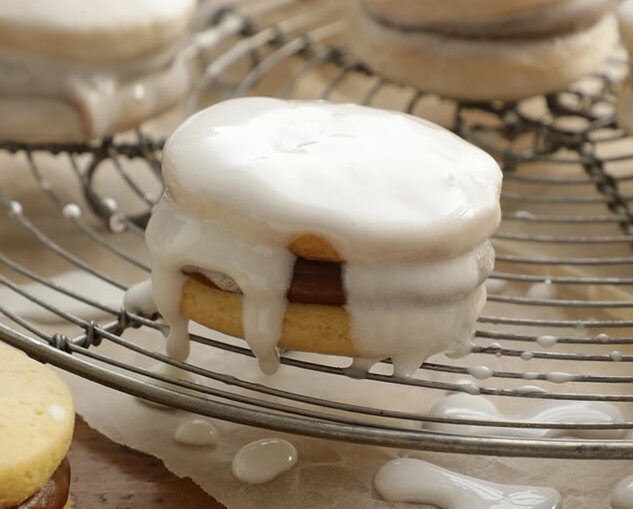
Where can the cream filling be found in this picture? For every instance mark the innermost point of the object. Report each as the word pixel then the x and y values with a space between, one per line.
pixel 403 311
pixel 102 96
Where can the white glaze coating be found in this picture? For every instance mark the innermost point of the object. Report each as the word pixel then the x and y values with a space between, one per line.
pixel 95 31
pixel 408 205
pixel 57 412
pixel 546 340
pixel 622 496
pixel 426 194
pixel 464 406
pixel 263 460
pixel 413 480
pixel 138 298
pixel 176 240
pixel 103 98
pixel 197 432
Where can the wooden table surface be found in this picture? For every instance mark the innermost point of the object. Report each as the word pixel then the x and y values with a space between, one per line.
pixel 106 474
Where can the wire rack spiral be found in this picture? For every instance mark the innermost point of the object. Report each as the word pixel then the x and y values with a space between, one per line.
pixel 559 321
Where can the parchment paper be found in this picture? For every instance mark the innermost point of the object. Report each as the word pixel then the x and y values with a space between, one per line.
pixel 334 474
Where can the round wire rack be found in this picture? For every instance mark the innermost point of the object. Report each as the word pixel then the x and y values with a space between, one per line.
pixel 558 324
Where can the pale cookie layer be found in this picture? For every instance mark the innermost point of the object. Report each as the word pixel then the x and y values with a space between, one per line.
pixel 409 12
pixel 625 22
pixel 625 106
pixel 480 69
pixel 95 31
pixel 326 329
pixel 431 11
pixel 37 418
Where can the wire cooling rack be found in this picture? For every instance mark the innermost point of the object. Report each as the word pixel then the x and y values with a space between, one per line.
pixel 559 321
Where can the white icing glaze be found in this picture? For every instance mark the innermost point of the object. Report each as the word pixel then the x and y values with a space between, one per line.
pixel 57 412
pixel 95 31
pixel 496 285
pixel 413 480
pixel 546 341
pixel 480 372
pixel 468 387
pixel 464 406
pixel 138 298
pixel 426 194
pixel 263 460
pixel 102 97
pixel 530 389
pixel 414 240
pixel 542 291
pixel 616 356
pixel 198 432
pixel 622 496
pixel 263 274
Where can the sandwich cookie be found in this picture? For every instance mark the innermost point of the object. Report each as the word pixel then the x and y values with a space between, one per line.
pixel 76 70
pixel 331 228
pixel 37 418
pixel 484 50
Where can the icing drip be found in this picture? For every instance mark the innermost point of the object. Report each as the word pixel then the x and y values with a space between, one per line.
pixel 263 460
pixel 262 272
pixel 414 243
pixel 413 480
pixel 101 96
pixel 622 496
pixel 464 406
pixel 138 298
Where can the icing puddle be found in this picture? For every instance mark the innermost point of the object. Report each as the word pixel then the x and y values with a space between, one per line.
pixel 465 406
pixel 412 480
pixel 197 432
pixel 622 496
pixel 263 460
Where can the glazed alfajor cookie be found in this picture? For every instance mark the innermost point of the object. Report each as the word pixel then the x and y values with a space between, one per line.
pixel 483 50
pixel 74 71
pixel 329 228
pixel 37 418
pixel 625 92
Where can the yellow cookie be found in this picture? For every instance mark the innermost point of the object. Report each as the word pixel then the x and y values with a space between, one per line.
pixel 37 417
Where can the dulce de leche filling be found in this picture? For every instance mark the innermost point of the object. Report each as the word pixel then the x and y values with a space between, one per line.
pixel 54 494
pixel 313 282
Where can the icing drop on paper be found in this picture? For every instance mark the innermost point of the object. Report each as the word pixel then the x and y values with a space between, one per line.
pixel 263 460
pixel 413 480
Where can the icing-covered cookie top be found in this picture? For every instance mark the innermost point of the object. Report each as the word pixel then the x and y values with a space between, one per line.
pixel 376 184
pixel 95 31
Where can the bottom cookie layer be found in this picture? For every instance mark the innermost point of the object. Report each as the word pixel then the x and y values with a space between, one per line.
pixel 327 329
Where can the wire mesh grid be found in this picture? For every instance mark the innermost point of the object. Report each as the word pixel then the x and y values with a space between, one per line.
pixel 558 324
